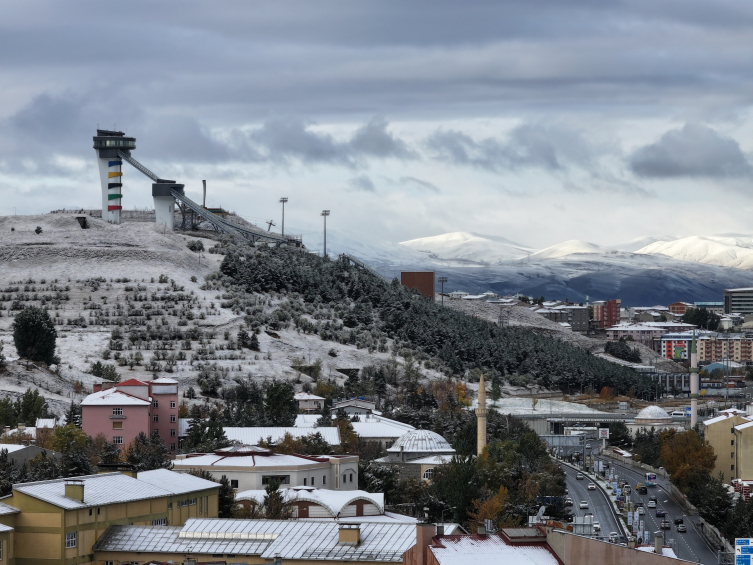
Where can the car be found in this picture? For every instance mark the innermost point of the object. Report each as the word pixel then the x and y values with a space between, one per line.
pixel 579 476
pixel 641 510
pixel 681 528
pixel 665 525
pixel 678 521
pixel 583 504
pixel 597 527
pixel 567 491
pixel 568 501
pixel 591 486
pixel 652 504
pixel 588 446
pixel 639 503
pixel 642 490
pixel 660 513
pixel 613 537
pixel 653 497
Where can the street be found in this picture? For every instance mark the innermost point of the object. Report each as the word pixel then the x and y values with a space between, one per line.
pixel 597 503
pixel 689 546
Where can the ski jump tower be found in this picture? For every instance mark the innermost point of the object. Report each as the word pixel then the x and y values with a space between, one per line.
pixel 113 147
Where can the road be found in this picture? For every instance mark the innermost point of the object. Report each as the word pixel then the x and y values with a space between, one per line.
pixel 689 546
pixel 598 503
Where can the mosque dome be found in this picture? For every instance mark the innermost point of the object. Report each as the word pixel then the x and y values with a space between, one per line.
pixel 421 441
pixel 652 414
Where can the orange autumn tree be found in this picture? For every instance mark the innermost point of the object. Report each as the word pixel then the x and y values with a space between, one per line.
pixel 489 509
pixel 683 453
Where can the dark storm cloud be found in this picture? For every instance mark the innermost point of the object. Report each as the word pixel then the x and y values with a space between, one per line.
pixel 694 151
pixel 526 146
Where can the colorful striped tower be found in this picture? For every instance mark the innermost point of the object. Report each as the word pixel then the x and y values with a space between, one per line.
pixel 107 144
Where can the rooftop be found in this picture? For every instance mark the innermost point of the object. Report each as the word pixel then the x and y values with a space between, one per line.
pixel 421 441
pixel 653 413
pixel 176 483
pixel 332 500
pixel 489 550
pixel 114 397
pixel 253 436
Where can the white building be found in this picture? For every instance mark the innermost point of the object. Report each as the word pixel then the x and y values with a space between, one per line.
pixel 309 402
pixel 417 453
pixel 252 468
pixel 371 427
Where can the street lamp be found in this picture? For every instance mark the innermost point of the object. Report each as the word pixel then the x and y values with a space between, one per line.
pixel 283 200
pixel 442 280
pixel 325 213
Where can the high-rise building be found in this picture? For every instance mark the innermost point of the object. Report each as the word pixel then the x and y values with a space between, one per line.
pixel 738 300
pixel 606 313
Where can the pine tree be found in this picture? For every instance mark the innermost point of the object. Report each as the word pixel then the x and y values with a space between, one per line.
pixel 8 473
pixel 325 419
pixel 73 415
pixel 76 462
pixel 111 454
pixel 34 335
pixel 226 498
pixel 2 356
pixel 280 405
pixel 253 342
pixel 275 507
pixel 43 468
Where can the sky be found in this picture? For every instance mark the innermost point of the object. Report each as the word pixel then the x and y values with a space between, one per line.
pixel 536 120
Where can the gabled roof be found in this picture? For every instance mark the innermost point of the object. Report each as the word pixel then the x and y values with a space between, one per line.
pixel 176 483
pixel 306 396
pixel 132 382
pixel 113 397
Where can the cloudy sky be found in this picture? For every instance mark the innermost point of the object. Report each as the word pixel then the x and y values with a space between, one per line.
pixel 539 121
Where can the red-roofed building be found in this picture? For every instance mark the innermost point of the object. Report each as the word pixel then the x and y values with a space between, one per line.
pixel 120 411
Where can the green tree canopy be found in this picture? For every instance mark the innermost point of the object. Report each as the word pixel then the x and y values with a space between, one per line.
pixel 34 335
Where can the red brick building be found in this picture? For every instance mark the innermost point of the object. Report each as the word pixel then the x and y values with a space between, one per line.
pixel 606 313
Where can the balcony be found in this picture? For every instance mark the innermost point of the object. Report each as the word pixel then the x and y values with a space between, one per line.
pixel 118 417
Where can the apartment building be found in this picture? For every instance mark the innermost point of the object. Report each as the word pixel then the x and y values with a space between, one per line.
pixel 121 411
pixel 606 313
pixel 59 521
pixel 738 300
pixel 719 347
pixel 730 434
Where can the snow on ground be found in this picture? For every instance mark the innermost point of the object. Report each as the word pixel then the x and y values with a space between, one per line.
pixel 522 406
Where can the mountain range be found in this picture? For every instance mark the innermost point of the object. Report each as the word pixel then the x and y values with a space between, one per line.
pixel 641 272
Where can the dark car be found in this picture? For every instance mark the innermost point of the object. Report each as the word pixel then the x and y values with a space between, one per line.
pixel 678 521
pixel 653 497
pixel 665 525
pixel 660 513
pixel 643 490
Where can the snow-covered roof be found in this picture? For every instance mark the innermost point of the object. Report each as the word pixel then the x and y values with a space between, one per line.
pixel 490 550
pixel 99 490
pixel 176 483
pixel 744 426
pixel 8 509
pixel 306 396
pixel 12 447
pixel 253 436
pixel 666 551
pixel 333 500
pixel 274 460
pixel 717 419
pixel 163 381
pixel 113 397
pixel 133 382
pixel 653 413
pixel 46 423
pixel 421 441
pixel 431 460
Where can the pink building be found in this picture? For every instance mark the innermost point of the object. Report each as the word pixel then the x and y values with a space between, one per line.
pixel 121 411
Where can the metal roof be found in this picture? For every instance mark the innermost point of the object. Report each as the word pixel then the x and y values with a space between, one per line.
pixel 334 501
pixel 253 436
pixel 113 397
pixel 8 509
pixel 421 441
pixel 99 490
pixel 176 483
pixel 265 538
pixel 273 460
pixel 653 413
pixel 490 550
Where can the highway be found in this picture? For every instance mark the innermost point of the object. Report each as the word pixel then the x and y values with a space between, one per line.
pixel 597 503
pixel 690 545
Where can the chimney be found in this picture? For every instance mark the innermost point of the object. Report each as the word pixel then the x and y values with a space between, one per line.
pixel 21 427
pixel 96 387
pixel 658 543
pixel 350 534
pixel 481 529
pixel 205 193
pixel 74 490
pixel 424 533
pixel 440 529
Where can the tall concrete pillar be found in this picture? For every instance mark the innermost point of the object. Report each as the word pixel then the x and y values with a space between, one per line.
pixel 164 203
pixel 107 144
pixel 481 413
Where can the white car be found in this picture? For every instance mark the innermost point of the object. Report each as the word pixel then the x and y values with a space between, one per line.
pixel 584 504
pixel 591 486
pixel 651 504
pixel 641 510
pixel 597 527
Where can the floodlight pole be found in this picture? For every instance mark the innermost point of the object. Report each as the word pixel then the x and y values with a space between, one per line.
pixel 283 200
pixel 325 213
pixel 442 280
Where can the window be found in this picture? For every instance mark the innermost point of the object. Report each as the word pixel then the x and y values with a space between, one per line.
pixel 324 480
pixel 155 432
pixel 169 505
pixel 345 478
pixel 1 550
pixel 732 442
pixel 98 510
pixel 155 403
pixel 91 511
pixel 117 411
pixel 172 404
pixel 312 481
pixel 117 440
pixel 201 504
pixel 172 418
pixel 172 447
pixel 351 477
pixel 429 473
pixel 172 432
pixel 732 455
pixel 117 425
pixel 109 562
pixel 234 483
pixel 160 522
pixel 70 540
pixel 732 468
pixel 304 482
pixel 282 479
pixel 155 418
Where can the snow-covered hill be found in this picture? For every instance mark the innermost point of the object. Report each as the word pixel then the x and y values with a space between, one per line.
pixel 724 250
pixel 468 246
pixel 572 247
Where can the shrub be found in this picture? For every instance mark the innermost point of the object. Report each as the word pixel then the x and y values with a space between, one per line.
pixel 34 335
pixel 195 245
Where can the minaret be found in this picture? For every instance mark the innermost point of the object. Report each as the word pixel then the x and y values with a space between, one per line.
pixel 481 413
pixel 694 383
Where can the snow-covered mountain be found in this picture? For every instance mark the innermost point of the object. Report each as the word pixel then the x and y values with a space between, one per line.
pixel 725 250
pixel 572 247
pixel 468 246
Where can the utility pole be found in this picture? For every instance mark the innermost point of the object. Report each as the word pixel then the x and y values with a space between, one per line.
pixel 283 200
pixel 442 280
pixel 325 213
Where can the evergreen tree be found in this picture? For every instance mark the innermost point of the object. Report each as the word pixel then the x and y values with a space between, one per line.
pixel 147 453
pixel 2 356
pixel 73 415
pixel 243 338
pixel 43 468
pixel 34 335
pixel 76 462
pixel 226 498
pixel 9 473
pixel 496 391
pixel 280 405
pixel 253 342
pixel 325 420
pixel 275 506
pixel 110 454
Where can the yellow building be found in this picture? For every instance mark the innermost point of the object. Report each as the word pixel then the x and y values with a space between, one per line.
pixel 7 533
pixel 733 460
pixel 59 521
